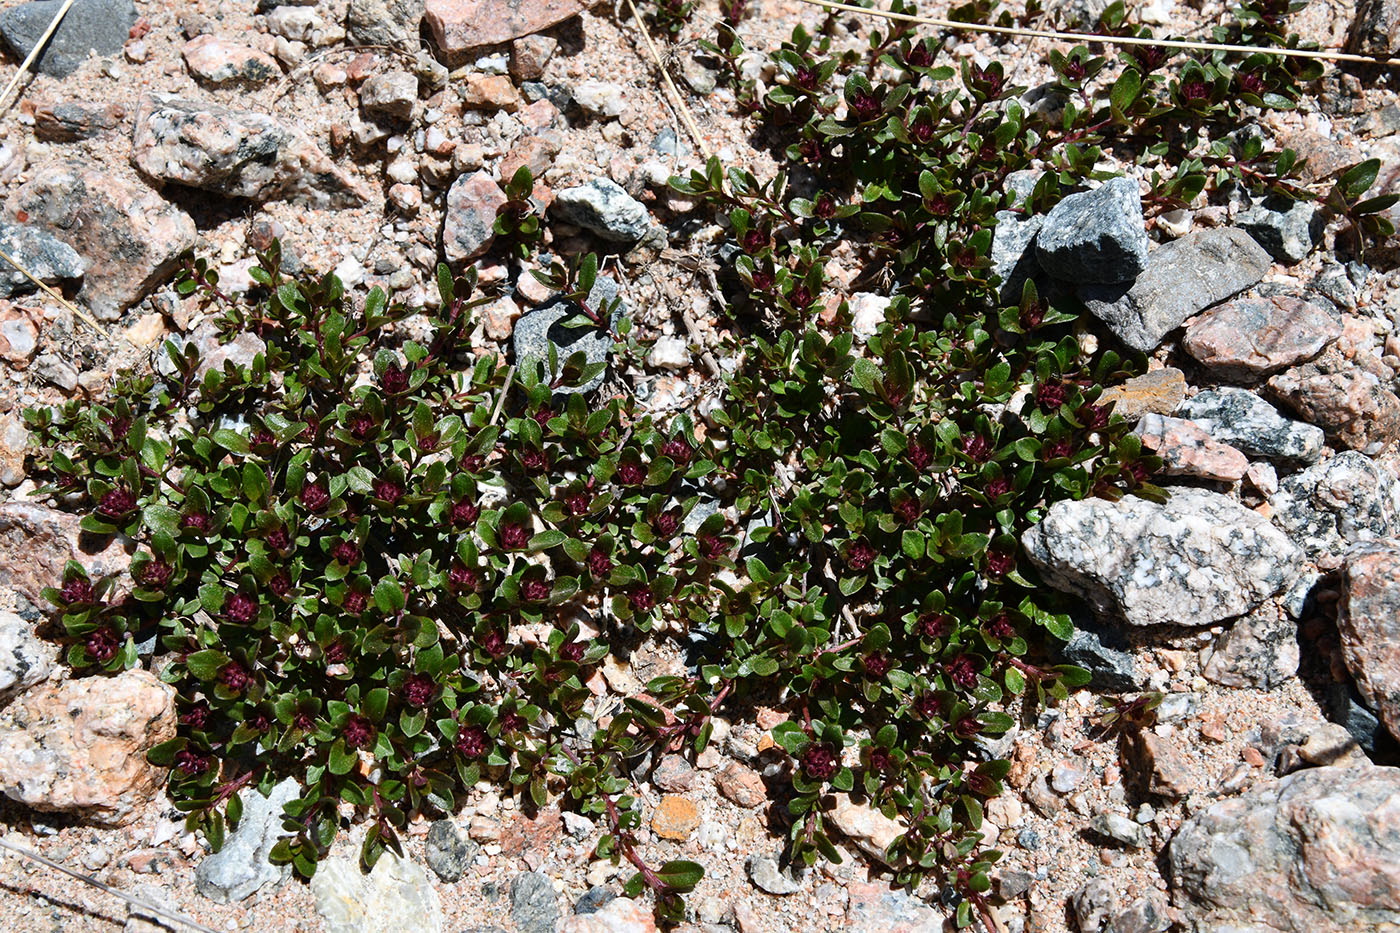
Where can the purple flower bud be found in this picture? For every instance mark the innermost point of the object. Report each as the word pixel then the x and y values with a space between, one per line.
pixel 76 590
pixel 679 450
pixel 191 762
pixel 102 644
pixel 358 731
pixel 464 512
pixel 155 573
pixel 197 522
pixel 962 671
pixel 419 690
pixel 234 676
pixel 394 380
pixel 355 602
pixel 819 762
pixel 599 564
pixel 472 741
pixel 346 552
pixel 514 536
pixel 315 496
pixel 240 608
pixel 197 716
pixel 116 503
pixel 388 490
pixel 535 590
pixel 860 555
pixel 642 599
pixel 493 642
pixel 631 473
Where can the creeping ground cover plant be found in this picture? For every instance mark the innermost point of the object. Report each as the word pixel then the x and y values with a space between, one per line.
pixel 388 563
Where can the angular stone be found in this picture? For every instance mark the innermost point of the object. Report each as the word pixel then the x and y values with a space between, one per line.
pixel 1260 650
pixel 1376 28
pixel 395 897
pixel 36 541
pixel 1369 626
pixel 384 22
pixel 80 747
pixel 1119 828
pixel 867 827
pixel 1195 560
pixel 1258 336
pixel 449 850
pixel 1334 504
pixel 878 908
pixel 47 258
pixel 100 26
pixel 769 878
pixel 1245 421
pixel 1013 259
pixel 1187 450
pixel 1347 402
pixel 604 208
pixel 472 202
pixel 1315 852
pixel 391 94
pixel 242 866
pixel 742 785
pixel 529 55
pixel 25 660
pixel 461 25
pixel 489 93
pixel 676 818
pixel 235 153
pixel 1287 229
pixel 219 62
pixel 71 120
pixel 1182 278
pixel 1158 391
pixel 129 236
pixel 1095 237
pixel 1167 770
pixel 537 330
pixel 533 904
pixel 1102 652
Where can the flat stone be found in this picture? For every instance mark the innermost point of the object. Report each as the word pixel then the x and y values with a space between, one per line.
pixel 1187 450
pixel 25 660
pixel 867 827
pixel 36 541
pixel 129 236
pixel 80 747
pixel 220 62
pixel 47 258
pixel 1096 236
pixel 1315 852
pixel 1287 229
pixel 235 153
pixel 1337 503
pixel 879 908
pixel 1167 770
pixel 1182 278
pixel 1120 829
pixel 394 897
pixel 1252 337
pixel 71 120
pixel 676 818
pixel 537 330
pixel 1260 650
pixel 1158 392
pixel 1195 560
pixel 242 867
pixel 1102 652
pixel 768 877
pixel 100 26
pixel 533 904
pixel 449 850
pixel 472 203
pixel 742 785
pixel 461 25
pixel 619 915
pixel 1245 421
pixel 1347 402
pixel 602 207
pixel 384 22
pixel 1368 623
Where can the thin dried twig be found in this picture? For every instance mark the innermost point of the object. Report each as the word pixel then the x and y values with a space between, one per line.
pixel 88 318
pixel 33 54
pixel 676 97
pixel 88 879
pixel 1185 45
pixel 505 390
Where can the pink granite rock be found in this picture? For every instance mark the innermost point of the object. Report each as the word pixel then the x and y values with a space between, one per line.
pixel 1258 336
pixel 1187 450
pixel 1369 626
pixel 36 541
pixel 220 62
pixel 461 25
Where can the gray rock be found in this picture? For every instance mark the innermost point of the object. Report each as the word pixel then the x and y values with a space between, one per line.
pixel 768 877
pixel 1376 28
pixel 1260 650
pixel 449 850
pixel 242 867
pixel 24 659
pixel 56 371
pixel 393 898
pixel 102 26
pixel 1287 229
pixel 384 22
pixel 1182 277
pixel 1095 237
pixel 48 258
pixel 1102 652
pixel 1195 560
pixel 604 208
pixel 1346 708
pixel 1337 503
pixel 533 905
pixel 1245 421
pixel 235 153
pixel 535 332
pixel 467 227
pixel 1315 852
pixel 1368 626
pixel 391 94
pixel 876 907
pixel 1120 829
pixel 592 900
pixel 1013 259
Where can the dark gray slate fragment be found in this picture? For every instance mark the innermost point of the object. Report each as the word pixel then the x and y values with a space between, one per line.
pixel 100 25
pixel 533 905
pixel 534 332
pixel 48 258
pixel 604 208
pixel 1182 277
pixel 1013 259
pixel 594 899
pixel 1287 229
pixel 449 850
pixel 1095 236
pixel 1103 653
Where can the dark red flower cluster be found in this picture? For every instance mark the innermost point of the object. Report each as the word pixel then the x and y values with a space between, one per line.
pixel 191 762
pixel 679 450
pixel 315 496
pixel 102 644
pixel 419 690
pixel 361 425
pixel 335 652
pixel 996 486
pixel 388 490
pixel 666 524
pixel 513 722
pixel 198 522
pixel 977 448
pixel 999 626
pixel 197 716
pixel 881 759
pixel 76 591
pixel 919 455
pixel 860 554
pixel 573 651
pixel 819 762
pixel 933 625
pixel 534 460
pixel 962 671
pixel 394 380
pixel 877 664
pixel 578 503
pixel 358 731
pixel 262 437
pixel 280 583
pixel 235 676
pixel 493 642
pixel 514 536
pixel 155 573
pixel 535 590
pixel 355 602
pixel 631 473
pixel 1050 395
pixel 599 564
pixel 462 577
pixel 346 552
pixel 864 106
pixel 277 538
pixel 240 608
pixel 1000 563
pixel 928 705
pixel 642 599
pixel 116 503
pixel 909 510
pixel 472 741
pixel 464 512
